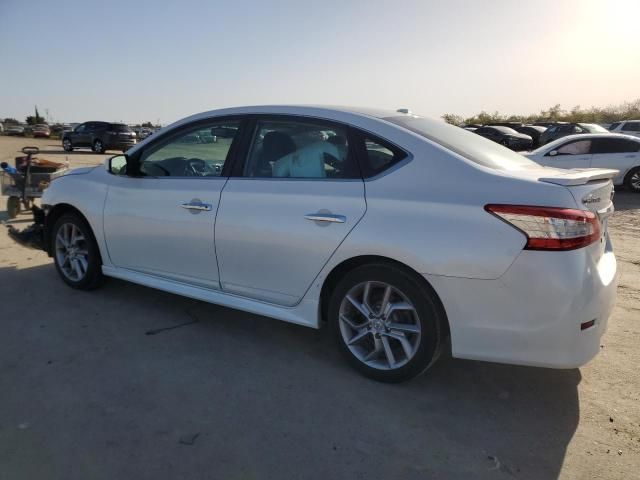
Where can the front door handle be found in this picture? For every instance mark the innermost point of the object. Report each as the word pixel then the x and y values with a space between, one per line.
pixel 198 206
pixel 325 217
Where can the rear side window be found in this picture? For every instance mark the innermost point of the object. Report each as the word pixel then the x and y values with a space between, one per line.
pixel 300 148
pixel 378 156
pixel 614 145
pixel 119 127
pixel 613 126
pixel 631 127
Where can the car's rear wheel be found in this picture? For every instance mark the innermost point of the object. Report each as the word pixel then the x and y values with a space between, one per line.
pixel 98 146
pixel 75 252
pixel 632 180
pixel 67 145
pixel 387 323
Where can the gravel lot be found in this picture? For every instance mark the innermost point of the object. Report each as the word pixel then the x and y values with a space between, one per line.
pixel 86 392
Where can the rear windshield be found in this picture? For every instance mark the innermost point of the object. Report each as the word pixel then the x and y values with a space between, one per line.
pixel 594 128
pixel 506 130
pixel 467 144
pixel 120 127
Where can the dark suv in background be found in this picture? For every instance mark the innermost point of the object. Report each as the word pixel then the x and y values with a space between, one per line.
pixel 99 137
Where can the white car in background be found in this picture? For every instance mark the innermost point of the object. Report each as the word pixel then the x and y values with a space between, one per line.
pixel 399 233
pixel 627 127
pixel 603 150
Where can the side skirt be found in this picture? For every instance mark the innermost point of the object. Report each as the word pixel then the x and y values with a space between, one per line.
pixel 305 313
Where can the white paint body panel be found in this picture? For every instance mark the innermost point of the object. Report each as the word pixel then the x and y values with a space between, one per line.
pixel 503 303
pixel 147 230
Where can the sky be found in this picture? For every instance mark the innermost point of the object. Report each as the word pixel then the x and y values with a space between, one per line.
pixel 137 61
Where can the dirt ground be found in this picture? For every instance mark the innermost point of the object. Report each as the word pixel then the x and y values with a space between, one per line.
pixel 90 388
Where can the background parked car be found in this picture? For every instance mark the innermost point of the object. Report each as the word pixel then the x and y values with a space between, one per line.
pixel 534 131
pixel 548 124
pixel 16 130
pixel 558 131
pixel 41 131
pixel 506 136
pixel 628 127
pixel 99 137
pixel 607 150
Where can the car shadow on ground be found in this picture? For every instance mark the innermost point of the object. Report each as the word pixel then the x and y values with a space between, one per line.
pixel 626 200
pixel 121 374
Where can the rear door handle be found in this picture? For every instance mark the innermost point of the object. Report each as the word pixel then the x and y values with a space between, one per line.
pixel 325 217
pixel 197 206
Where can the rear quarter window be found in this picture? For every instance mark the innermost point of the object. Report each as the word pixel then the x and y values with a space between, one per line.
pixel 377 155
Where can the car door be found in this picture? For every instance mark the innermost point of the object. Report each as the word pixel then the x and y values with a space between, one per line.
pixel 80 135
pixel 621 154
pixel 161 221
pixel 572 154
pixel 287 208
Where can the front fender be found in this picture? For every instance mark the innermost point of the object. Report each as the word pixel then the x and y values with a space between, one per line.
pixel 86 193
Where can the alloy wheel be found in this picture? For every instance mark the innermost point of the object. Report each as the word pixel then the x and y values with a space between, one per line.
pixel 635 181
pixel 72 254
pixel 379 325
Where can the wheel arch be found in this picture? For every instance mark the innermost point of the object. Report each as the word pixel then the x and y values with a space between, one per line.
pixel 54 214
pixel 349 264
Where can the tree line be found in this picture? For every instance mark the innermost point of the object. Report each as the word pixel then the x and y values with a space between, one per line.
pixel 610 114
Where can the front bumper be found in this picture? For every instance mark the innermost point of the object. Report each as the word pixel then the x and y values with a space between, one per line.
pixel 532 315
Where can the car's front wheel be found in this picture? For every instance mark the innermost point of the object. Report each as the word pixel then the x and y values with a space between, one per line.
pixel 67 145
pixel 387 323
pixel 75 252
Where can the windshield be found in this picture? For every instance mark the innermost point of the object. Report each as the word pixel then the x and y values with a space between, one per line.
pixel 467 144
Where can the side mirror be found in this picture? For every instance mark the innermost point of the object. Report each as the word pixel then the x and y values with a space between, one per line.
pixel 553 153
pixel 117 165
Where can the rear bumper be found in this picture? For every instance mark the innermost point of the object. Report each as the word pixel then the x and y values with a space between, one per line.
pixel 532 315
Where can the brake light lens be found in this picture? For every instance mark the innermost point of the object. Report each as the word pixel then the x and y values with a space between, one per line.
pixel 550 228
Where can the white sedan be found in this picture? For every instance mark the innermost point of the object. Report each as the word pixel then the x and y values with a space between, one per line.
pixel 401 234
pixel 606 150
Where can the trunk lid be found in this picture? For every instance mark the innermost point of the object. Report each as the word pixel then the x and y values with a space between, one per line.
pixel 592 188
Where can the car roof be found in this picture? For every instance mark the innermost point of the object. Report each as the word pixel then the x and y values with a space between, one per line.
pixel 328 111
pixel 589 136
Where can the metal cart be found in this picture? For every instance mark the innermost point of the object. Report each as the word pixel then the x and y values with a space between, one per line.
pixel 32 176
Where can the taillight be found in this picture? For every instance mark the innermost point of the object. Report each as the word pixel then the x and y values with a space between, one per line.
pixel 550 228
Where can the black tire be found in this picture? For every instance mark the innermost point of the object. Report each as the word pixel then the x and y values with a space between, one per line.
pixel 98 146
pixel 13 206
pixel 93 277
pixel 632 180
pixel 427 307
pixel 67 145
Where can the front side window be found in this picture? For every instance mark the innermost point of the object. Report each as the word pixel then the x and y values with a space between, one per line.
pixel 198 152
pixel 80 128
pixel 300 149
pixel 580 147
pixel 613 126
